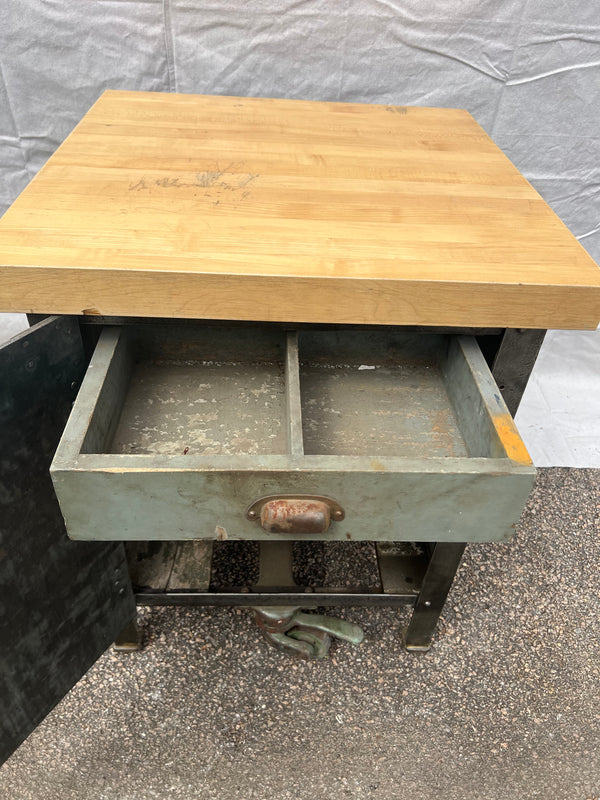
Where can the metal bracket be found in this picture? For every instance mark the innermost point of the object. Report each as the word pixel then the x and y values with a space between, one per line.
pixel 306 636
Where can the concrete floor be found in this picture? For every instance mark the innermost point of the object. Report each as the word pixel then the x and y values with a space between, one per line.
pixel 505 706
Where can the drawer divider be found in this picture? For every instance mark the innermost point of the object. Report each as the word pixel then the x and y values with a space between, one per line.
pixel 293 399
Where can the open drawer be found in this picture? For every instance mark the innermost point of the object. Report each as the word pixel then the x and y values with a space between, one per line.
pixel 199 432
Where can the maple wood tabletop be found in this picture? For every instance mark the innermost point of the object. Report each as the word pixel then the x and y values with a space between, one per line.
pixel 209 207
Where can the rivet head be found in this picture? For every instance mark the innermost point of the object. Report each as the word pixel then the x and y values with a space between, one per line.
pixel 252 514
pixel 427 603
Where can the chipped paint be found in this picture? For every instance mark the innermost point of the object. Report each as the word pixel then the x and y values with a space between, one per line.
pixel 511 441
pixel 400 410
pixel 171 405
pixel 220 534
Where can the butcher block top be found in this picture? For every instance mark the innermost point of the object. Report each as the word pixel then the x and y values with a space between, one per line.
pixel 188 206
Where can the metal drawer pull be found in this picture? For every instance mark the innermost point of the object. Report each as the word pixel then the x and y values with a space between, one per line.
pixel 295 513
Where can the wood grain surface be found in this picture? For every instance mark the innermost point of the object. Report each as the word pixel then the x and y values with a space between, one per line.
pixel 245 208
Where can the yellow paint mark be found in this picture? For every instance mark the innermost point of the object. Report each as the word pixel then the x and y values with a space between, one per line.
pixel 511 441
pixel 377 465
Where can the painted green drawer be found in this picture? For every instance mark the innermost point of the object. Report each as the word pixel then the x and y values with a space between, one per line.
pixel 178 431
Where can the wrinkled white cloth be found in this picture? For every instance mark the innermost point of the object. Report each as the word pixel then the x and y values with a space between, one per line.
pixel 528 71
pixel 559 416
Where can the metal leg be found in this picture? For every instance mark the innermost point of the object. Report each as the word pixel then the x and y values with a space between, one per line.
pixel 514 362
pixel 441 570
pixel 130 638
pixel 275 565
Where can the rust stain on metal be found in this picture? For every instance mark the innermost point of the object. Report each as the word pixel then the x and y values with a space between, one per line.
pixel 511 441
pixel 295 516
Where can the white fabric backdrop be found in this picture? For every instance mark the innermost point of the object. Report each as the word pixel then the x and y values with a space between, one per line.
pixel 528 70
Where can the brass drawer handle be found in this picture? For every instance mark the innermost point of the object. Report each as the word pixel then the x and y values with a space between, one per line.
pixel 295 513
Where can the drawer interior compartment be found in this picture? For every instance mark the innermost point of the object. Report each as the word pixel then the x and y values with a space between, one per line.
pixel 211 392
pixel 179 431
pixel 168 390
pixel 379 394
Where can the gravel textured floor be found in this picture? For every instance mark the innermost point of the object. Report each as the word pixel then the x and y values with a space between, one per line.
pixel 505 705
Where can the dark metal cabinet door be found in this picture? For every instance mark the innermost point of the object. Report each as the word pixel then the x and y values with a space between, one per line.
pixel 61 602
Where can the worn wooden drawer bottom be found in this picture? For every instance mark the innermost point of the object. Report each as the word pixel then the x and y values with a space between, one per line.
pixel 177 431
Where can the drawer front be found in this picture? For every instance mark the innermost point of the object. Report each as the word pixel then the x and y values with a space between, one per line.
pixel 175 434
